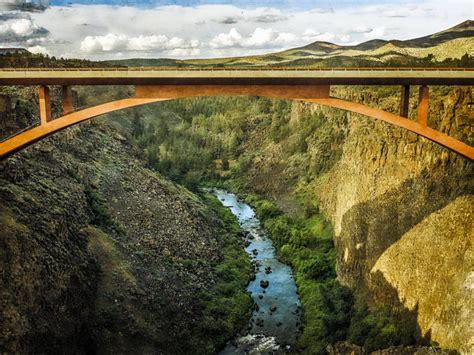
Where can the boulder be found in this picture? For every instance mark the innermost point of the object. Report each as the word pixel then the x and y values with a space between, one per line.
pixel 264 283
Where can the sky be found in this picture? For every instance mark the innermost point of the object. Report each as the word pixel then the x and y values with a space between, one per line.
pixel 119 29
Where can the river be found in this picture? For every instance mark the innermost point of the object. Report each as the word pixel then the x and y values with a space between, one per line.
pixel 274 324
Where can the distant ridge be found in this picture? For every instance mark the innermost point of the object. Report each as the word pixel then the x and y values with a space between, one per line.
pixel 463 30
pixel 446 47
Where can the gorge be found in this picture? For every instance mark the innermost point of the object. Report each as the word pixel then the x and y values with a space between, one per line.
pixel 113 242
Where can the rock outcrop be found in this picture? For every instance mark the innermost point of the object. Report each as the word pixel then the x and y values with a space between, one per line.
pixel 99 253
pixel 401 206
pixel 402 211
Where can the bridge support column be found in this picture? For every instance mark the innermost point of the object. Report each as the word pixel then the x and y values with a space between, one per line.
pixel 68 105
pixel 423 105
pixel 404 100
pixel 45 104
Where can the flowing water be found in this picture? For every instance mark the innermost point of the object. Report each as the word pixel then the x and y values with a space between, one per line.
pixel 274 324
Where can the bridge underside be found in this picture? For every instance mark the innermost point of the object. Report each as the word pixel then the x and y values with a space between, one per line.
pixel 145 94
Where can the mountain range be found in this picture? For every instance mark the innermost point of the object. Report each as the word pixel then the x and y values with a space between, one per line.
pixel 442 47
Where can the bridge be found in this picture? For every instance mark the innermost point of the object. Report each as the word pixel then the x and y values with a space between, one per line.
pixel 310 85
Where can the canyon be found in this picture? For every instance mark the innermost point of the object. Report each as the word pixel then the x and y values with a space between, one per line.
pixel 111 241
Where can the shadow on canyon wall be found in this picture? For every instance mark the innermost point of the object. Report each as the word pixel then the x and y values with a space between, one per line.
pixel 370 228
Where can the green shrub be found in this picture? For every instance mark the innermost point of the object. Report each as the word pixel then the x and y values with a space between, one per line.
pixel 380 328
pixel 100 213
pixel 265 209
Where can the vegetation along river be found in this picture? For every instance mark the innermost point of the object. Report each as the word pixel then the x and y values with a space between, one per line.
pixel 275 320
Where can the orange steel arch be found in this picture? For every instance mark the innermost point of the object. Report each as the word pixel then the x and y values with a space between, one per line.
pixel 309 93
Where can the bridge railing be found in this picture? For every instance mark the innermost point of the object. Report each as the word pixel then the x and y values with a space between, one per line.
pixel 127 69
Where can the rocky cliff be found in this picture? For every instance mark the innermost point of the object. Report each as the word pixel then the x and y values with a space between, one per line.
pixel 402 210
pixel 100 254
pixel 401 206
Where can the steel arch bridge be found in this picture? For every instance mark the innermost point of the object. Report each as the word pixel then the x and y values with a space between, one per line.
pixel 309 85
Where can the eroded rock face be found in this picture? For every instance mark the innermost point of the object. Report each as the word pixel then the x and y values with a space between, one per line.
pixel 77 276
pixel 48 279
pixel 431 266
pixel 344 348
pixel 400 208
pixel 379 185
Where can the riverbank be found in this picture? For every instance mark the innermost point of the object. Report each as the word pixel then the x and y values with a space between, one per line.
pixel 274 325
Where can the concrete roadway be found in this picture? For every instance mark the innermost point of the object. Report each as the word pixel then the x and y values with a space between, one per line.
pixel 241 76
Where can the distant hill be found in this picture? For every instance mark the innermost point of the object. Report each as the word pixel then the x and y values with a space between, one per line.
pixel 13 50
pixel 463 30
pixel 451 47
pixel 452 43
pixel 139 62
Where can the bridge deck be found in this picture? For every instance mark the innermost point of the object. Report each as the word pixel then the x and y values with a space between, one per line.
pixel 218 76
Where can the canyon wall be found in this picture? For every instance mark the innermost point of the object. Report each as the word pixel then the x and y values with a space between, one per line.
pixel 401 206
pixel 402 210
pixel 100 254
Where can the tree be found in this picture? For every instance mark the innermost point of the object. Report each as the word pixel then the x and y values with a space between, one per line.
pixel 465 61
pixel 430 58
pixel 137 126
pixel 225 164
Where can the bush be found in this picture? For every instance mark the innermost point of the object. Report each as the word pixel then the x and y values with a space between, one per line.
pixel 265 209
pixel 100 213
pixel 379 329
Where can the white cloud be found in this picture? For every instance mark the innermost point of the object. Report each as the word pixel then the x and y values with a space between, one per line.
pixel 309 35
pixel 344 38
pixel 144 43
pixel 265 36
pixel 378 32
pixel 101 31
pixel 309 32
pixel 319 10
pixel 31 5
pixel 16 28
pixel 362 29
pixel 286 38
pixel 114 43
pixel 261 37
pixel 184 52
pixel 264 15
pixel 38 50
pixel 107 43
pixel 230 16
pixel 223 40
pixel 324 37
pixel 411 10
